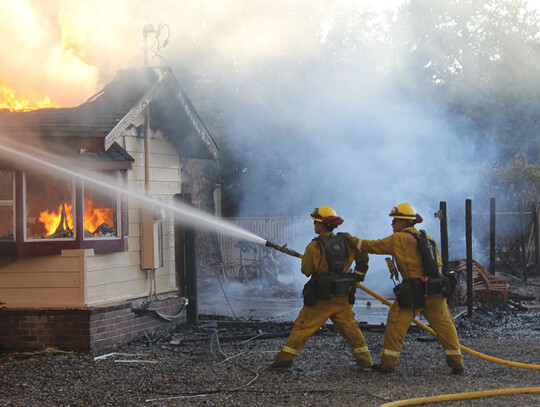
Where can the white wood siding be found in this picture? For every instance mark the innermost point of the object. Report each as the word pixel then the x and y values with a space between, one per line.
pixel 45 281
pixel 118 276
pixel 79 278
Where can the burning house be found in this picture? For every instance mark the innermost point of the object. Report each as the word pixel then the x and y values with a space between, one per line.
pixel 79 264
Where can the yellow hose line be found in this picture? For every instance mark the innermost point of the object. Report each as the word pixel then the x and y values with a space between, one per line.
pixel 463 348
pixel 461 396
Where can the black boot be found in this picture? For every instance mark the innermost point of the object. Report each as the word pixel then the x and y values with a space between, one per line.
pixel 282 365
pixel 376 367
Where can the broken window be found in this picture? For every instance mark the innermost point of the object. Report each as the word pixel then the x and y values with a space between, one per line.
pixel 7 205
pixel 101 210
pixel 49 207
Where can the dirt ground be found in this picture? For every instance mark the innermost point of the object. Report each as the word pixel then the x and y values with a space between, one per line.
pixel 224 363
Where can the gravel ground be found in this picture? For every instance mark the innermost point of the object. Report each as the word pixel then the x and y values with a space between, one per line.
pixel 197 366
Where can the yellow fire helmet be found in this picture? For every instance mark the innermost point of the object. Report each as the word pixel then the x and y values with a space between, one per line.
pixel 403 211
pixel 319 213
pixel 327 215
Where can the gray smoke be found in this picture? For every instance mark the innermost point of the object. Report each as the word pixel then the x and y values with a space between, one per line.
pixel 300 91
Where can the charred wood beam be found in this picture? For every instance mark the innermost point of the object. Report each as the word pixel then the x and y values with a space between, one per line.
pixel 522 242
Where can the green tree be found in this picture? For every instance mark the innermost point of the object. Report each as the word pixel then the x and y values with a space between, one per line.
pixel 514 184
pixel 480 60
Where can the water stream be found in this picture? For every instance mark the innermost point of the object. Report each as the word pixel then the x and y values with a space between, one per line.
pixel 188 215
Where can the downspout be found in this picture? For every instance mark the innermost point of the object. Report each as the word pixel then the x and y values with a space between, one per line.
pixel 146 30
pixel 147 220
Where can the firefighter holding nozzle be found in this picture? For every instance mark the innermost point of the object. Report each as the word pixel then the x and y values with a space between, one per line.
pixel 330 292
pixel 423 289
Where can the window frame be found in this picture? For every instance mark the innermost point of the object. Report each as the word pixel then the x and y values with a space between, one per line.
pixel 24 247
pixel 119 180
pixel 24 215
pixel 11 203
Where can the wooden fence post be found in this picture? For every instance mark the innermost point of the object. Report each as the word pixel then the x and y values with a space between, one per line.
pixel 468 239
pixel 492 236
pixel 522 242
pixel 536 227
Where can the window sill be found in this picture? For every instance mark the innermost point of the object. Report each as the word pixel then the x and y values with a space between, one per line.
pixel 56 247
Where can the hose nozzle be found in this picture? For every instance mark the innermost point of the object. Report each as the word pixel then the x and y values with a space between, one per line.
pixel 283 249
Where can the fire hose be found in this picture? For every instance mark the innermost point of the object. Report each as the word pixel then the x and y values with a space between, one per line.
pixel 286 250
pixel 461 396
pixel 457 396
pixel 463 348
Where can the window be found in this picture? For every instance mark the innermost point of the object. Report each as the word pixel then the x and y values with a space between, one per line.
pixel 42 215
pixel 7 193
pixel 49 207
pixel 101 209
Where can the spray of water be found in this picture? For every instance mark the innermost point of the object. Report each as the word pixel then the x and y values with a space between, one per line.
pixel 188 215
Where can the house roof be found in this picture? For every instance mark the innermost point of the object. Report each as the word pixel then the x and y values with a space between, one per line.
pixel 115 154
pixel 97 123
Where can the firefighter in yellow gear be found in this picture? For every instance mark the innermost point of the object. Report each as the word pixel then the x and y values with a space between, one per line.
pixel 320 260
pixel 403 246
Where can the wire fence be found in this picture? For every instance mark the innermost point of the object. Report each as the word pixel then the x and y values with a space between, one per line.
pixel 246 260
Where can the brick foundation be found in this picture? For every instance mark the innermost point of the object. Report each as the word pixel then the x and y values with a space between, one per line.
pixel 83 328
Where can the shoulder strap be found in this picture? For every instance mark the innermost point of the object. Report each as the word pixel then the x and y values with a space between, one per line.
pixel 410 233
pixel 347 238
pixel 319 244
pixel 422 233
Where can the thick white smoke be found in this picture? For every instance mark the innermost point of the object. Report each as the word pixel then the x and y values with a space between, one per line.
pixel 302 87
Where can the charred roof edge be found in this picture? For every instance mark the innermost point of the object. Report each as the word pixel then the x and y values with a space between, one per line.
pixel 116 132
pixel 196 121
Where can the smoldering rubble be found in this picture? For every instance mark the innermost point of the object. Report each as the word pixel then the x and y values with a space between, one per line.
pixel 222 361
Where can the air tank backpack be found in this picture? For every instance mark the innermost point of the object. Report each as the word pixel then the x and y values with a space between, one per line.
pixel 412 292
pixel 336 253
pixel 335 282
pixel 428 251
pixel 435 283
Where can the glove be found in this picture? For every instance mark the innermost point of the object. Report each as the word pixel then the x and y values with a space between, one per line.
pixel 392 268
pixel 359 276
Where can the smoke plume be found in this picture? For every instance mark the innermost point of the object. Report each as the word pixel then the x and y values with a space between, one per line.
pixel 301 91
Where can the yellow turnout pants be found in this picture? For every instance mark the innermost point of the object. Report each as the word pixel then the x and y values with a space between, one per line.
pixel 438 315
pixel 310 319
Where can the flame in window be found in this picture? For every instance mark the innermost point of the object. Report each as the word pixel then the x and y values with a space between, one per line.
pixel 94 217
pixel 55 221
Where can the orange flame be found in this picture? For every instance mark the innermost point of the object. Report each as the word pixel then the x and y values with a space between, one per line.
pixel 94 217
pixel 72 40
pixel 10 100
pixel 51 220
